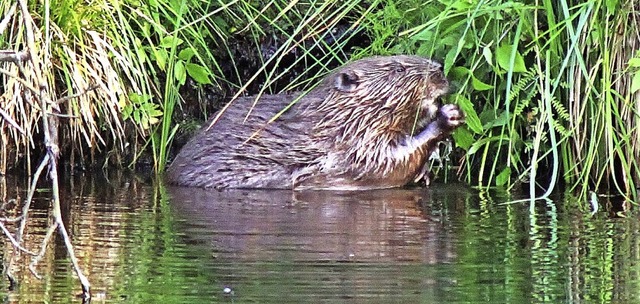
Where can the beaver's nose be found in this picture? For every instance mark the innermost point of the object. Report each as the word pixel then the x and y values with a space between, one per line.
pixel 437 77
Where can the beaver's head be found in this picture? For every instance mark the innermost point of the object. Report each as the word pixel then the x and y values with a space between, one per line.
pixel 418 76
pixel 385 92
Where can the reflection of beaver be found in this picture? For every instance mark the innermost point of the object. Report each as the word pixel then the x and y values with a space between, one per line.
pixel 353 131
pixel 387 225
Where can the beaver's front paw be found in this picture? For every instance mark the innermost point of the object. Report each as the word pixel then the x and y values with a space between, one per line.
pixel 450 116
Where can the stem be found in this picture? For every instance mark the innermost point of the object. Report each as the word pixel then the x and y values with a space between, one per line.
pixel 50 131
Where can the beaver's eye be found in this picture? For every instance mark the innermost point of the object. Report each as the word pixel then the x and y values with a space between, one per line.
pixel 399 69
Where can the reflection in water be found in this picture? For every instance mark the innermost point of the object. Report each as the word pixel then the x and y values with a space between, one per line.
pixel 97 213
pixel 140 243
pixel 372 226
pixel 274 246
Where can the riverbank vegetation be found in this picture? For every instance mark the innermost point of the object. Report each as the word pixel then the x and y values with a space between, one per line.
pixel 550 88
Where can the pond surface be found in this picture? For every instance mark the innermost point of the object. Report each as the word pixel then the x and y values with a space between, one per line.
pixel 140 242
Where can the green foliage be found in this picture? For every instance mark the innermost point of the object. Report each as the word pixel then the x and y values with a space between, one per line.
pixel 526 71
pixel 182 64
pixel 174 43
pixel 142 111
pixel 186 39
pixel 634 63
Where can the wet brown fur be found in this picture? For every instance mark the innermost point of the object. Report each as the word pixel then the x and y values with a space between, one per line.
pixel 353 131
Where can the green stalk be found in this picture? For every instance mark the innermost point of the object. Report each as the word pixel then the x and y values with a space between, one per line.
pixel 171 97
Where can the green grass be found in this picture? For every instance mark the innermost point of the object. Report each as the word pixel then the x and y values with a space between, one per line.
pixel 545 86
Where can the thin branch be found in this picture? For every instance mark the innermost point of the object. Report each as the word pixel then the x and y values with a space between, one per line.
pixel 52 149
pixel 24 217
pixel 67 98
pixel 50 141
pixel 7 18
pixel 63 115
pixel 35 91
pixel 11 122
pixel 43 249
pixel 20 80
pixel 13 240
pixel 32 190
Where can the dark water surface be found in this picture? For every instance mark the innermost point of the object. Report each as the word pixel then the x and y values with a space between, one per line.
pixel 140 243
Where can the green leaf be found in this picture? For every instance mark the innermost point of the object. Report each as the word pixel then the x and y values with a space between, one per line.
pixel 458 72
pixel 199 73
pixel 479 85
pixel 477 145
pixel 487 117
pixel 462 5
pixel 503 56
pixel 611 6
pixel 463 138
pixel 499 121
pixel 470 115
pixel 635 82
pixel 179 72
pixel 424 35
pixel 634 62
pixel 126 112
pixel 155 111
pixel 153 120
pixel 488 56
pixel 449 59
pixel 140 51
pixel 169 41
pixel 144 124
pixel 186 54
pixel 136 98
pixel 481 142
pixel 220 22
pixel 503 177
pixel 450 40
pixel 161 56
pixel 136 116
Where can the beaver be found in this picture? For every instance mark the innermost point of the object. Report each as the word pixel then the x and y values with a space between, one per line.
pixel 370 124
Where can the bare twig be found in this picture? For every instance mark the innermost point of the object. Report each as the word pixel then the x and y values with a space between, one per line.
pixel 25 217
pixel 20 80
pixel 38 86
pixel 43 249
pixel 11 122
pixel 13 240
pixel 51 144
pixel 32 190
pixel 27 85
pixel 7 17
pixel 63 115
pixel 67 98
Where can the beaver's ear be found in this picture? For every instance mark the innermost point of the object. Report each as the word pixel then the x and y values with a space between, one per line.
pixel 346 81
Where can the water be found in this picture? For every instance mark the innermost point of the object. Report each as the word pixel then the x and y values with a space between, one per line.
pixel 140 243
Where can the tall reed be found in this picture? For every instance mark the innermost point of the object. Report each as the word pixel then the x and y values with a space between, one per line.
pixel 90 65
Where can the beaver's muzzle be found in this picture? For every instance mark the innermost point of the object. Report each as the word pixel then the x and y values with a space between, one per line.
pixel 437 77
